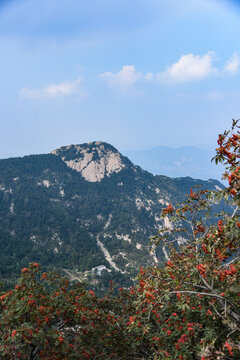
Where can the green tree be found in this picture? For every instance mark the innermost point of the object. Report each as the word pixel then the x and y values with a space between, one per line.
pixel 191 306
pixel 188 309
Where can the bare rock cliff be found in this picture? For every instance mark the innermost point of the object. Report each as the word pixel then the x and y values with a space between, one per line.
pixel 93 160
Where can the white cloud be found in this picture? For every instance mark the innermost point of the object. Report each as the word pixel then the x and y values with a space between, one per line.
pixel 66 88
pixel 233 64
pixel 190 67
pixel 125 78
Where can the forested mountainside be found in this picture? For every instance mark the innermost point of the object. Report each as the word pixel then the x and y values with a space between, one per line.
pixel 83 206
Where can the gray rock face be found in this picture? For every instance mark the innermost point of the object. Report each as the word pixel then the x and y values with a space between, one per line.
pixel 93 160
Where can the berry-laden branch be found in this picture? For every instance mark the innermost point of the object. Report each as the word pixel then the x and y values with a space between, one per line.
pixel 188 309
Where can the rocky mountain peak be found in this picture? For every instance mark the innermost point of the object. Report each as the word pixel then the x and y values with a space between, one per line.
pixel 93 160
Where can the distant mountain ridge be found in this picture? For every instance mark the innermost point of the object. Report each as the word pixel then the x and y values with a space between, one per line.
pixel 81 207
pixel 193 161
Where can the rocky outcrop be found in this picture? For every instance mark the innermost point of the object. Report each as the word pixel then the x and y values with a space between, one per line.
pixel 93 160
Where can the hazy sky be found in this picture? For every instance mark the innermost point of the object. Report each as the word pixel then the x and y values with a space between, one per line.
pixel 134 73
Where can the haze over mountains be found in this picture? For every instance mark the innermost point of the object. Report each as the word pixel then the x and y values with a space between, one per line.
pixel 193 161
pixel 83 207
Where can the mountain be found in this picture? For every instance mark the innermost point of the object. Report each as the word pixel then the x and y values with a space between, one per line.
pixel 83 207
pixel 177 162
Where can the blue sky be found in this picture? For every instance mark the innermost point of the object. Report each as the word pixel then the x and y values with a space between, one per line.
pixel 136 74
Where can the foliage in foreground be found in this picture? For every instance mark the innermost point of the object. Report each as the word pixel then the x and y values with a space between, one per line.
pixel 189 309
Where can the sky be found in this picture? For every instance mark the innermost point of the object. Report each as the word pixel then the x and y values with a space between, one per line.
pixel 136 74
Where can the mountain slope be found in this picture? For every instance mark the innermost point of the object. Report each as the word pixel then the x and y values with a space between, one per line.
pixel 80 207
